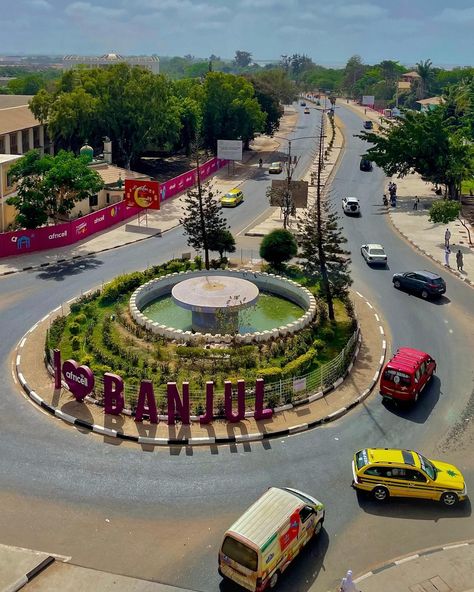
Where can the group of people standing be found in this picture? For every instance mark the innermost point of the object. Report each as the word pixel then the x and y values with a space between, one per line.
pixel 447 252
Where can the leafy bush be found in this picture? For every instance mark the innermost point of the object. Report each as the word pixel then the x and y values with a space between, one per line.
pixel 84 299
pixel 74 329
pixel 277 247
pixel 121 285
pixel 75 343
pixel 270 375
pixel 300 365
pixel 81 319
pixel 56 331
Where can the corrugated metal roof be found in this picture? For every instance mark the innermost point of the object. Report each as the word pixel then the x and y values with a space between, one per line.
pixel 7 101
pixel 266 516
pixel 13 119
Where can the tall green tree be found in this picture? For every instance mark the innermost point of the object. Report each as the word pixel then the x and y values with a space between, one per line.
pixel 278 80
pixel 269 103
pixel 444 211
pixel 429 144
pixel 50 186
pixel 426 75
pixel 222 241
pixel 242 59
pixel 202 220
pixel 353 71
pixel 231 110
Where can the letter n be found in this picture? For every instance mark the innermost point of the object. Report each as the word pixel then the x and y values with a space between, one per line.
pixel 146 402
pixel 57 368
pixel 113 394
pixel 260 412
pixel 229 414
pixel 208 416
pixel 176 406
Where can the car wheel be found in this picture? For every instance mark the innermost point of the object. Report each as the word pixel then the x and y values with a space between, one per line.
pixel 318 527
pixel 274 580
pixel 449 499
pixel 397 284
pixel 380 494
pixel 424 294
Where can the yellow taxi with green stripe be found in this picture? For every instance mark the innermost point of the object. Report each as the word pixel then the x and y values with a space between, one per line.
pixel 232 198
pixel 386 472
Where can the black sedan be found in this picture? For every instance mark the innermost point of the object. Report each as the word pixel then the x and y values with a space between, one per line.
pixel 425 283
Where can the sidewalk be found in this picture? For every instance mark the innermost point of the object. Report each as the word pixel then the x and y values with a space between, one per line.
pixel 415 226
pixel 442 569
pixel 322 407
pixel 40 572
pixel 160 221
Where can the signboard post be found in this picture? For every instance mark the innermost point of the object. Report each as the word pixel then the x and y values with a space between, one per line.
pixel 230 150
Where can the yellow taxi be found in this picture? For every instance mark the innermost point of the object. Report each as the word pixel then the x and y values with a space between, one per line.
pixel 232 198
pixel 275 168
pixel 386 472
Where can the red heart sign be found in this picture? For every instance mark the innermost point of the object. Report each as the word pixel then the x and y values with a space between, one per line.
pixel 80 379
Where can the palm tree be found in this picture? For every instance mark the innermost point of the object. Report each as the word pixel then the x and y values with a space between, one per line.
pixel 426 75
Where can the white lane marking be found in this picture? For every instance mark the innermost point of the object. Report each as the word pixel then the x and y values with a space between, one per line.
pixel 455 546
pixel 381 330
pixel 359 294
pixel 377 318
pixel 384 344
pixel 368 304
pixel 18 359
pixel 22 342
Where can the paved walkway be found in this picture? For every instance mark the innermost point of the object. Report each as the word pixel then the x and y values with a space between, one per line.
pixel 442 569
pixel 415 226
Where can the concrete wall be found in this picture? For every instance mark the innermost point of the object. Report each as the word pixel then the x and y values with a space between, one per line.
pixel 266 282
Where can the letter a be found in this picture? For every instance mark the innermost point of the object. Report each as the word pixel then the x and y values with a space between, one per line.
pixel 208 416
pixel 113 394
pixel 260 412
pixel 229 414
pixel 146 402
pixel 175 405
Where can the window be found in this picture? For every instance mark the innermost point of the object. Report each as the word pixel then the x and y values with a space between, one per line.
pixel 107 198
pixel 13 143
pixel 36 137
pixel 423 368
pixel 25 141
pixel 9 180
pixel 240 553
pixel 396 473
pixel 93 201
pixel 417 374
pixel 397 377
pixel 305 513
pixel 413 475
pixel 2 144
pixel 375 471
pixel 362 459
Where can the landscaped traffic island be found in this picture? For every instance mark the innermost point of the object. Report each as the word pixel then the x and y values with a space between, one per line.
pixel 267 330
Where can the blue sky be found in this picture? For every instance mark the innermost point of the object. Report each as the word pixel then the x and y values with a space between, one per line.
pixel 329 32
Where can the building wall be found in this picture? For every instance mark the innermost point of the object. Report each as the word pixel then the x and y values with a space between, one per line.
pixel 7 189
pixel 105 197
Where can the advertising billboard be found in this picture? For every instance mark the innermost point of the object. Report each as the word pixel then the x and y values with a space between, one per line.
pixel 299 193
pixel 368 100
pixel 229 149
pixel 142 194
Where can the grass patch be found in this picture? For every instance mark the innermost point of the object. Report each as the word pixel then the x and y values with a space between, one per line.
pixel 467 187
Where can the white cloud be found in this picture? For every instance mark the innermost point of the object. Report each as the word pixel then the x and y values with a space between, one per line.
pixel 41 4
pixel 87 10
pixel 366 11
pixel 456 16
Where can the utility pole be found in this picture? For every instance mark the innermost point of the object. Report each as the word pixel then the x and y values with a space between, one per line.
pixel 287 200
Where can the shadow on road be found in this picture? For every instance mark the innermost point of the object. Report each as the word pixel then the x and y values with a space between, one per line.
pixel 412 509
pixel 302 573
pixel 60 271
pixel 421 410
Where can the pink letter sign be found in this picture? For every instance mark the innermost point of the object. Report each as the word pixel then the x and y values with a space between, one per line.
pixel 113 394
pixel 229 414
pixel 260 412
pixel 80 379
pixel 175 405
pixel 208 416
pixel 146 402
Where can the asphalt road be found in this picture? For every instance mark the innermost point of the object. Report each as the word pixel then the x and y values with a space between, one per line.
pixel 160 514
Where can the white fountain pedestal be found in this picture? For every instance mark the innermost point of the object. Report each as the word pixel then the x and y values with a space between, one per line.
pixel 215 301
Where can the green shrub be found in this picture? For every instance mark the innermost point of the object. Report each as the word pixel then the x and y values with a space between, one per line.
pixel 271 374
pixel 300 365
pixel 326 333
pixel 56 331
pixel 318 344
pixel 122 284
pixel 198 261
pixel 81 319
pixel 75 343
pixel 175 266
pixel 277 247
pixel 74 329
pixel 273 401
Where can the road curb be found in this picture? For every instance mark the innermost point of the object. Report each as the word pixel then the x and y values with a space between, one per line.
pixel 406 558
pixel 450 269
pixel 23 580
pixel 256 436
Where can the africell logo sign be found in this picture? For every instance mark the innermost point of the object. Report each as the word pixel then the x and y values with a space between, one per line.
pixel 80 381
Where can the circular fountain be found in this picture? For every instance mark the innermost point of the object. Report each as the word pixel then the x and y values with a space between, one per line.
pixel 215 302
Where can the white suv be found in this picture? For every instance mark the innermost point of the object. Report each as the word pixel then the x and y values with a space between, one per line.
pixel 351 205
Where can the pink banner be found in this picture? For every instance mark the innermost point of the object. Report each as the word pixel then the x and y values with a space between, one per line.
pixel 61 235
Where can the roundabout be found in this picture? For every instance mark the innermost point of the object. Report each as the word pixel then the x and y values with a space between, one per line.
pixel 161 515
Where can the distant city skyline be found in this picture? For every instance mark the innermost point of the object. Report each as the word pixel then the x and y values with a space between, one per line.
pixel 329 33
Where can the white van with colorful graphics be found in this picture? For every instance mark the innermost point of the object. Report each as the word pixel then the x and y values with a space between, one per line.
pixel 263 542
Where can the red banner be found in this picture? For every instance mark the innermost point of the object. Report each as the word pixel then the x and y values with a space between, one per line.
pixel 292 533
pixel 144 194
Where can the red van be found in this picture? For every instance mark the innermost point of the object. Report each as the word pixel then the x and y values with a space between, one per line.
pixel 406 375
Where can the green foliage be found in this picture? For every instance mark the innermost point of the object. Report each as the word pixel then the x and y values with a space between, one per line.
pixel 75 343
pixel 278 247
pixel 271 374
pixel 444 211
pixel 81 319
pixel 222 241
pixel 301 365
pixel 269 102
pixel 121 285
pixel 49 186
pixel 56 331
pixel 74 329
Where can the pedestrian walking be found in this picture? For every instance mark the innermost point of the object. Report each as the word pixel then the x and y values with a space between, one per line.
pixel 447 236
pixel 447 253
pixel 459 260
pixel 416 202
pixel 347 585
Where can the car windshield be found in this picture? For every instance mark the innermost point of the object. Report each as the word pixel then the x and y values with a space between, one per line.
pixel 397 377
pixel 427 466
pixel 377 251
pixel 275 164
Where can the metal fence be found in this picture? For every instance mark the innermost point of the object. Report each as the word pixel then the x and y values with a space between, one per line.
pixel 282 392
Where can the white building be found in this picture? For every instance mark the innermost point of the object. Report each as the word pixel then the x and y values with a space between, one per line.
pixel 151 63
